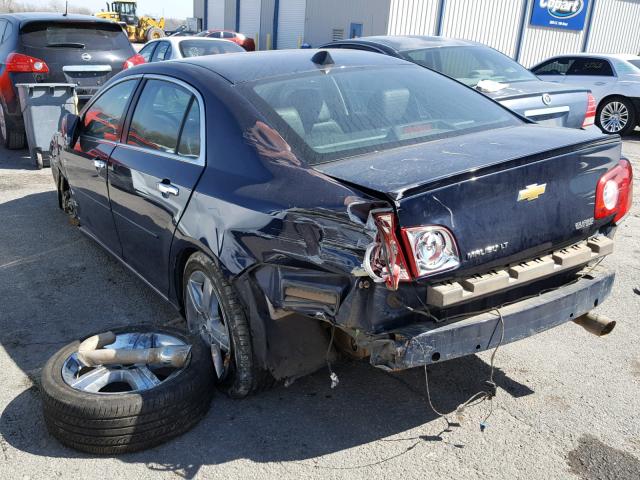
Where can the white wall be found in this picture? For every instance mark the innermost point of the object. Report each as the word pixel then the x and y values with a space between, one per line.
pixel 413 17
pixel 616 27
pixel 250 11
pixel 291 20
pixel 215 14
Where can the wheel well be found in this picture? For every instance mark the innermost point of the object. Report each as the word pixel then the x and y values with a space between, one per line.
pixel 181 262
pixel 63 186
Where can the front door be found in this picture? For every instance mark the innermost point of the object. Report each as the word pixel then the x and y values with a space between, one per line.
pixel 153 172
pixel 85 162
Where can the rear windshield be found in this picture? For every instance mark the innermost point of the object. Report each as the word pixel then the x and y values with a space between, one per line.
pixel 197 48
pixel 635 63
pixel 470 65
pixel 102 36
pixel 349 111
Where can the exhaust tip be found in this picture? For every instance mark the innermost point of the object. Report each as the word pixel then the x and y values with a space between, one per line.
pixel 596 324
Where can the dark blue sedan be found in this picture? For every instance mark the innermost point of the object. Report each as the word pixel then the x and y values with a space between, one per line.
pixel 292 201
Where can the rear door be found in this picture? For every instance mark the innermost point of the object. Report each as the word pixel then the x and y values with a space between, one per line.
pixel 85 163
pixel 596 74
pixel 153 172
pixel 84 53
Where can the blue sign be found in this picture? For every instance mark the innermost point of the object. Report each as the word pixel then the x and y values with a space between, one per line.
pixel 567 14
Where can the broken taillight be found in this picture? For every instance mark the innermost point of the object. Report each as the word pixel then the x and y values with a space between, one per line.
pixel 130 62
pixel 384 260
pixel 432 250
pixel 614 192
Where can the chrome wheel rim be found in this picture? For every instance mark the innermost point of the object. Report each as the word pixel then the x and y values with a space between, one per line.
pixel 614 117
pixel 206 319
pixel 118 379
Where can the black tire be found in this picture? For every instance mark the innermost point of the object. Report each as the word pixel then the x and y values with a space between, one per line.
pixel 244 376
pixel 127 422
pixel 13 137
pixel 631 120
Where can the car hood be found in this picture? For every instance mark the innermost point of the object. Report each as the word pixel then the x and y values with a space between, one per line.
pixel 531 87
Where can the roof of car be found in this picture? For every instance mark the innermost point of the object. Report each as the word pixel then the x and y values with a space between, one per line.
pixel 238 68
pixel 176 40
pixel 620 56
pixel 48 16
pixel 411 42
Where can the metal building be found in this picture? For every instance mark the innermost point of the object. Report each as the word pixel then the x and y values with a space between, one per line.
pixel 527 30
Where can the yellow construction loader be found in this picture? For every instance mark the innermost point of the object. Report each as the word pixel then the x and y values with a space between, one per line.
pixel 139 29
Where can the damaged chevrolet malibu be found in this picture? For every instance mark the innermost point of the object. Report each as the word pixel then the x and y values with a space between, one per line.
pixel 294 203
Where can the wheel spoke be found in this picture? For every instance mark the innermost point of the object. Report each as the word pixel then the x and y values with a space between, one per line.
pixel 195 293
pixel 140 378
pixel 92 381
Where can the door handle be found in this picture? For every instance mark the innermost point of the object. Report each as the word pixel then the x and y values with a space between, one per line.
pixel 167 189
pixel 99 164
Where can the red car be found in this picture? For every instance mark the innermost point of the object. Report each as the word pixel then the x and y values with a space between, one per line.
pixel 245 42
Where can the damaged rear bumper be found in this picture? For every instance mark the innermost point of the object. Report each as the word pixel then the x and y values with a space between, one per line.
pixel 427 342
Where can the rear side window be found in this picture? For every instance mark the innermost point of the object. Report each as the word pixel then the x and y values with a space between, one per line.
pixel 87 35
pixel 190 137
pixel 343 112
pixel 147 51
pixel 197 48
pixel 591 66
pixel 159 115
pixel 103 119
pixel 559 66
pixel 163 52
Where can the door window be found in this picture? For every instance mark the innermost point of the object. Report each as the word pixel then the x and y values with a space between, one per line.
pixel 147 51
pixel 162 52
pixel 592 67
pixel 159 115
pixel 189 145
pixel 103 120
pixel 558 66
pixel 228 35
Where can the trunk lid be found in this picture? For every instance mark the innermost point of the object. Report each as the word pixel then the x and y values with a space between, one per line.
pixel 545 103
pixel 471 184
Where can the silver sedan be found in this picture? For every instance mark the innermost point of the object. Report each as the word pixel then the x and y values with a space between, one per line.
pixel 172 48
pixel 613 79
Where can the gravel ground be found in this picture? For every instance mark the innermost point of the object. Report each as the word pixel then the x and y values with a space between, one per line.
pixel 567 403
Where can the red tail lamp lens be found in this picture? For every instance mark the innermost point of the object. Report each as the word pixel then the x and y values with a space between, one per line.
pixel 614 192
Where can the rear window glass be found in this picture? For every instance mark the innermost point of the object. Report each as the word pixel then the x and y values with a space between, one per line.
pixel 470 65
pixel 346 112
pixel 635 63
pixel 87 35
pixel 197 48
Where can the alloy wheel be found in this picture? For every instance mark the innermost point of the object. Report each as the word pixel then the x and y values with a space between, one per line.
pixel 206 319
pixel 614 117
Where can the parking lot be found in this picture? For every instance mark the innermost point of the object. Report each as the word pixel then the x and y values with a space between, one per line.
pixel 567 403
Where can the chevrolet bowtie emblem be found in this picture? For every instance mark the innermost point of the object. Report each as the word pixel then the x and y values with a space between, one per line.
pixel 531 192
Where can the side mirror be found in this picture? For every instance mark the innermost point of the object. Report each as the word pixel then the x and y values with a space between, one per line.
pixel 69 129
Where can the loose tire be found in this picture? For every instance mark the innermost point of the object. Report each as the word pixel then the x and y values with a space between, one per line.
pixel 12 138
pixel 225 327
pixel 153 33
pixel 113 423
pixel 616 115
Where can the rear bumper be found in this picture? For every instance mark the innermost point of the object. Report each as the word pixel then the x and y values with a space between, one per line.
pixel 426 343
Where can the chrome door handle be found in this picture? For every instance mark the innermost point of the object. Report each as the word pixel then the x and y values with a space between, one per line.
pixel 168 189
pixel 99 164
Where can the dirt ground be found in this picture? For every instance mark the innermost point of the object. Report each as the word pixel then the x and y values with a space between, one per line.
pixel 567 403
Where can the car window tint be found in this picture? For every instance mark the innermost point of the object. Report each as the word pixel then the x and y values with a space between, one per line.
pixel 66 34
pixel 190 137
pixel 8 32
pixel 344 112
pixel 591 66
pixel 3 26
pixel 161 51
pixel 558 66
pixel 215 35
pixel 158 116
pixel 103 119
pixel 625 67
pixel 228 35
pixel 147 51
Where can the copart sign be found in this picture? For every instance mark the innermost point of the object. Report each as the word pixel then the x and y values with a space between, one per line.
pixel 567 14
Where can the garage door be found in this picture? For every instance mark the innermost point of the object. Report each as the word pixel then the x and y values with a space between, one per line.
pixel 291 17
pixel 250 17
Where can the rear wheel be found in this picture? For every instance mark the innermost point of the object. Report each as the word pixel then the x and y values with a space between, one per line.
pixel 616 115
pixel 214 313
pixel 12 138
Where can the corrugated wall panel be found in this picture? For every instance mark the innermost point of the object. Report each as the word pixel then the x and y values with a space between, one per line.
pixel 216 14
pixel 250 17
pixel 291 23
pixel 606 32
pixel 323 16
pixel 267 10
pixel 541 43
pixel 492 22
pixel 413 17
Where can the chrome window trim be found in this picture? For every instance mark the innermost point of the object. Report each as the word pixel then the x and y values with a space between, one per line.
pixel 201 160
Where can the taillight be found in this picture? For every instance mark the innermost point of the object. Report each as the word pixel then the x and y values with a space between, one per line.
pixel 384 260
pixel 17 62
pixel 614 192
pixel 590 117
pixel 433 250
pixel 137 59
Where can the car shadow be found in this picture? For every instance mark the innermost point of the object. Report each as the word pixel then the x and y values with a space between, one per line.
pixel 58 285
